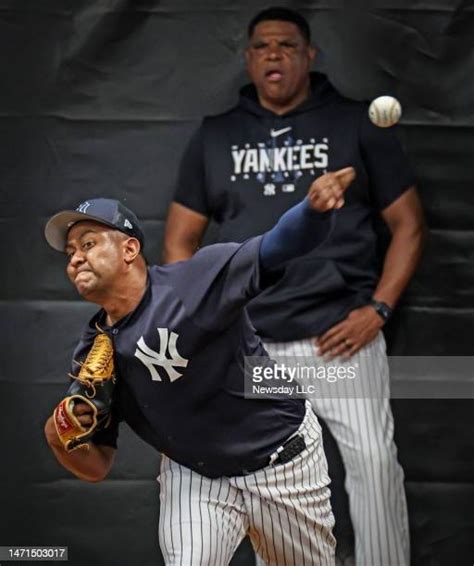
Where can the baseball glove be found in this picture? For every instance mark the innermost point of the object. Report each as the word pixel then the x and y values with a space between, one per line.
pixel 94 386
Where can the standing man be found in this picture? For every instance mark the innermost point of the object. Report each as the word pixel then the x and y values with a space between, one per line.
pixel 166 354
pixel 246 167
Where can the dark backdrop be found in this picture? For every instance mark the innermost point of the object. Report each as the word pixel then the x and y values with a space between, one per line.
pixel 98 97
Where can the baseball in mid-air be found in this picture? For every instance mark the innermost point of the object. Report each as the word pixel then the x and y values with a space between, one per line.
pixel 385 111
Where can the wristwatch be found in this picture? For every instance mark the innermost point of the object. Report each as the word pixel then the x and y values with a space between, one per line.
pixel 382 309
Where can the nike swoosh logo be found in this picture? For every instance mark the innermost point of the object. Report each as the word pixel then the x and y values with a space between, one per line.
pixel 276 133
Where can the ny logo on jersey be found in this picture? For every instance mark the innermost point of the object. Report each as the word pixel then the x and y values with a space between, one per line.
pixel 151 358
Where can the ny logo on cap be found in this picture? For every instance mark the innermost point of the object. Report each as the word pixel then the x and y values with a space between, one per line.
pixel 83 207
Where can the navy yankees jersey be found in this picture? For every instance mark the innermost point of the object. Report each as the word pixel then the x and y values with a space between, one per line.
pixel 246 167
pixel 180 357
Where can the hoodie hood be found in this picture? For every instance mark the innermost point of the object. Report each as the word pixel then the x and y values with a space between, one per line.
pixel 322 92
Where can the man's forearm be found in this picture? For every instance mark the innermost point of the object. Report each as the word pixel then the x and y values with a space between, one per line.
pixel 178 252
pixel 184 231
pixel 401 259
pixel 91 463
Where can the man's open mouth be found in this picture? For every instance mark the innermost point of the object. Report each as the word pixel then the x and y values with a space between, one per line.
pixel 274 75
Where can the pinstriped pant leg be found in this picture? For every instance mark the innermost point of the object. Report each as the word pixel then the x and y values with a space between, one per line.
pixel 363 429
pixel 289 506
pixel 202 521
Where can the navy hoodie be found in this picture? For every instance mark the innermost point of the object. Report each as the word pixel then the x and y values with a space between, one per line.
pixel 246 167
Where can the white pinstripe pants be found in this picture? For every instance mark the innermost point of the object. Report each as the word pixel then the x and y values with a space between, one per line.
pixel 285 510
pixel 363 429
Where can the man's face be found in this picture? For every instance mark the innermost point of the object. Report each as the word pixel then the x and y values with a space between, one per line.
pixel 278 62
pixel 95 258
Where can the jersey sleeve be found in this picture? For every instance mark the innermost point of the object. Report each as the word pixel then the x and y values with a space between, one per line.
pixel 218 281
pixel 388 169
pixel 191 181
pixel 299 231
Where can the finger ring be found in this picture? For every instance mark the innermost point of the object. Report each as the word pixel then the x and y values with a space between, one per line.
pixel 347 343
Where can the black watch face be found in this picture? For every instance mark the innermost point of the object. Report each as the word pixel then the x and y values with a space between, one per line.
pixel 382 309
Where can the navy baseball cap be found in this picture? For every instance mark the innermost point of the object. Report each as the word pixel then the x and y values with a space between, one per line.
pixel 107 211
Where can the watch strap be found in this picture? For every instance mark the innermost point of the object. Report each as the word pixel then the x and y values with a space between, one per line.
pixel 382 309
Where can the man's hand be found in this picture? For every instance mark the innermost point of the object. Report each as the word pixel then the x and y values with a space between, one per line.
pixel 349 336
pixel 83 413
pixel 327 191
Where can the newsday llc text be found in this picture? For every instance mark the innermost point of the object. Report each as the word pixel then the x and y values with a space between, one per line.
pixel 437 377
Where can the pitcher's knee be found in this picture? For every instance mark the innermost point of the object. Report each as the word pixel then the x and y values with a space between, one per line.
pixel 197 548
